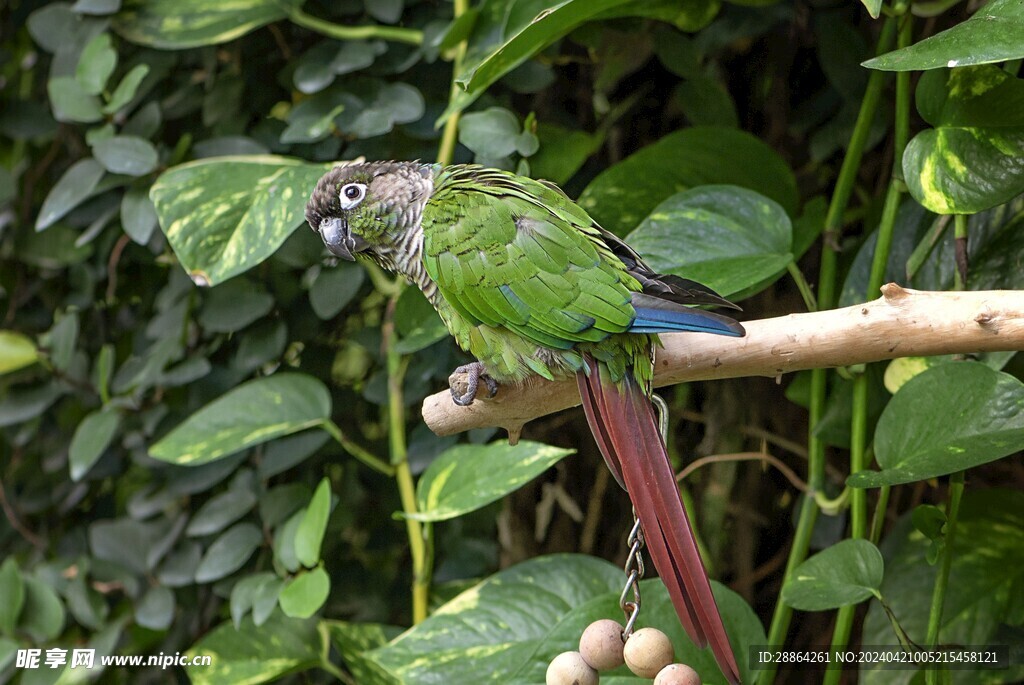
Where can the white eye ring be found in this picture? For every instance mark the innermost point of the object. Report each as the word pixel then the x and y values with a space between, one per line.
pixel 351 194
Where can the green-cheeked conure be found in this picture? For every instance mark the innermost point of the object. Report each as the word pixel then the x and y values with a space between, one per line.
pixel 529 284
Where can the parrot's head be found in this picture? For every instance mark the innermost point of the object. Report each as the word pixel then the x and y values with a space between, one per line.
pixel 369 207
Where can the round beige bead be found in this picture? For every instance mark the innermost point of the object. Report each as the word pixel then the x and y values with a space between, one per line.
pixel 601 644
pixel 647 651
pixel 569 668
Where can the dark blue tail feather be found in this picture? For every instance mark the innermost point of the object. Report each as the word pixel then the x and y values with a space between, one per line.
pixel 674 320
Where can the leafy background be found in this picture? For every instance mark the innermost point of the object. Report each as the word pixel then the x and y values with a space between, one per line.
pixel 209 433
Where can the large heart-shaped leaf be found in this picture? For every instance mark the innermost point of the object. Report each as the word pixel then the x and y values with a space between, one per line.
pixel 224 215
pixel 513 624
pixel 985 578
pixel 945 419
pixel 993 34
pixel 974 157
pixel 467 477
pixel 254 654
pixel 252 413
pixel 846 573
pixel 177 24
pixel 621 196
pixel 731 239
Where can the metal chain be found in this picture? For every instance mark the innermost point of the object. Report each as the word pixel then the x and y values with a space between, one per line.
pixel 634 567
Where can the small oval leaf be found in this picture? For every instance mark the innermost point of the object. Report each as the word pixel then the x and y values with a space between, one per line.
pixel 229 552
pixel 310 533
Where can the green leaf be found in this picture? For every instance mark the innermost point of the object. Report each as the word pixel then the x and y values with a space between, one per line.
pixel 417 322
pixel 126 89
pixel 96 6
pixel 312 119
pixel 71 102
pixel 731 239
pixel 178 24
pixel 232 306
pixel 138 215
pixel 244 593
pixel 155 609
pixel 511 625
pixel 42 614
pixel 127 543
pixel 254 412
pixel 505 35
pixel 993 34
pixel 74 187
pixel 983 596
pixel 491 133
pixel 562 152
pixel 948 418
pixel 468 477
pixel 335 288
pixel 305 594
pixel 16 351
pixel 96 64
pixel 978 114
pixel 221 511
pixel 224 215
pixel 128 155
pixel 12 589
pixel 252 655
pixel 229 552
pixel 92 437
pixel 354 640
pixel 874 7
pixel 19 404
pixel 621 196
pixel 846 573
pixel 310 533
pixel 375 107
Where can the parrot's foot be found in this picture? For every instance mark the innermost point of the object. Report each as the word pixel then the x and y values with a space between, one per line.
pixel 474 374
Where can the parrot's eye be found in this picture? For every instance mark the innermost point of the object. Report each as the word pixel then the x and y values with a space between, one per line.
pixel 352 194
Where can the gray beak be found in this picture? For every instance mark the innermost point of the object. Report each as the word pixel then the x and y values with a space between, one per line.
pixel 338 240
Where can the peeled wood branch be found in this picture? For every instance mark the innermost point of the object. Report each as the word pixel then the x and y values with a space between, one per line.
pixel 901 323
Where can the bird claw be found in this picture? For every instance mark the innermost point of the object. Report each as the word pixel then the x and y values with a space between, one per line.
pixel 474 374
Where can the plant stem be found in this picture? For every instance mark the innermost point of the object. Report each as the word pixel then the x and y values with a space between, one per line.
pixel 446 151
pixel 356 450
pixel 956 491
pixel 396 34
pixel 883 246
pixel 803 286
pixel 826 299
pixel 396 367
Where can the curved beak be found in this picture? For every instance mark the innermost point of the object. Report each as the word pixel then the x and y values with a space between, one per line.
pixel 339 241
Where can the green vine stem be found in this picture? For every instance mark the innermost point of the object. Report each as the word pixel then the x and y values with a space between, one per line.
pixel 418 536
pixel 956 491
pixel 446 151
pixel 396 34
pixel 826 297
pixel 883 246
pixel 357 450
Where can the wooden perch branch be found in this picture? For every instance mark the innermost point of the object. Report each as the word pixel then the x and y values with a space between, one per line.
pixel 901 323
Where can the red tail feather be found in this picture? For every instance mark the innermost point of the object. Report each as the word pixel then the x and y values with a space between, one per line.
pixel 623 423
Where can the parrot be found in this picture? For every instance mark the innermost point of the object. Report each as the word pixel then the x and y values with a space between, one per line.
pixel 530 285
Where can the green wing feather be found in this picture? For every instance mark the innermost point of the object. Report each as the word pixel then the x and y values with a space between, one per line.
pixel 510 252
